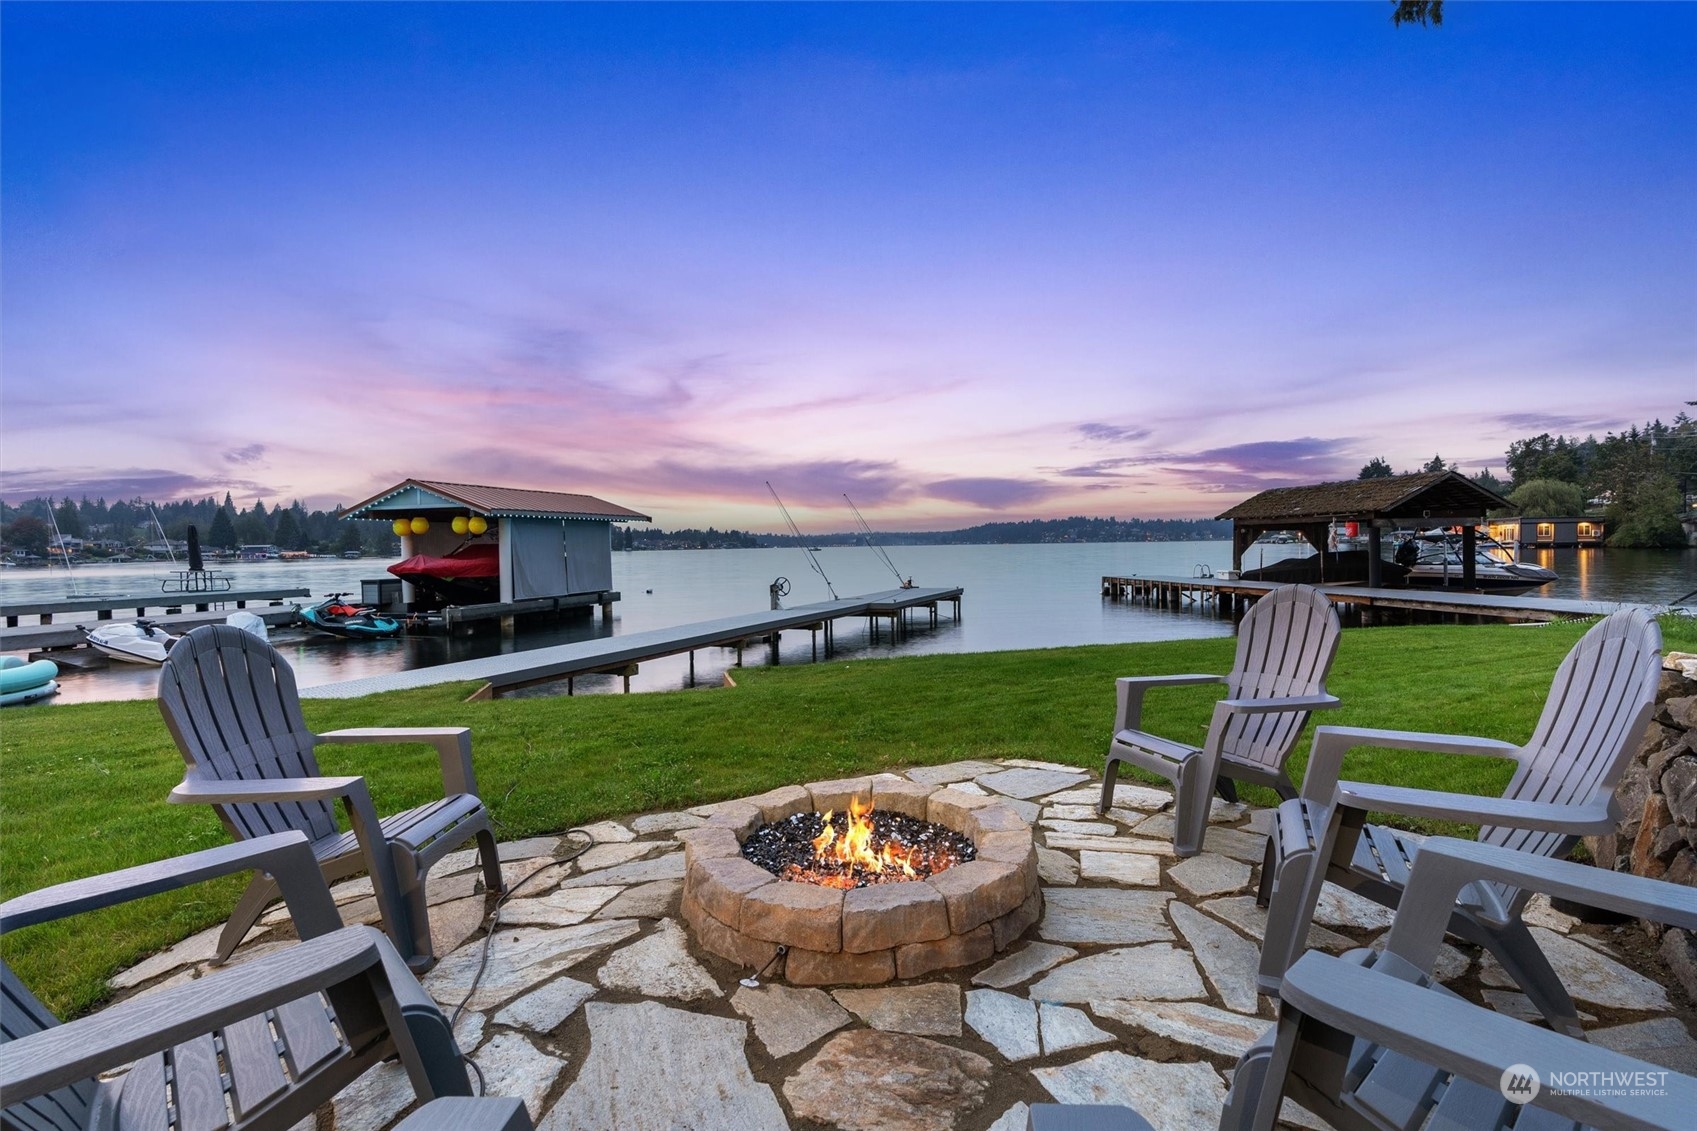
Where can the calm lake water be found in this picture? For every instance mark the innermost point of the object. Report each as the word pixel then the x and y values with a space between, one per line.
pixel 1016 597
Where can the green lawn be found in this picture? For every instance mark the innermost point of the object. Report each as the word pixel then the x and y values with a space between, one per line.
pixel 82 788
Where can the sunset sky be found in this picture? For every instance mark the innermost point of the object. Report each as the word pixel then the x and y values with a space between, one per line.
pixel 965 263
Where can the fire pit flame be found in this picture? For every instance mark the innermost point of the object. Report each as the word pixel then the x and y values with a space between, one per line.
pixel 857 851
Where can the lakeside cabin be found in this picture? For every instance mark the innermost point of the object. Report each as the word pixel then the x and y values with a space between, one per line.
pixel 479 552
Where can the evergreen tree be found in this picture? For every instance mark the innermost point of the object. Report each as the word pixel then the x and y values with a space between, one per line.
pixel 288 534
pixel 349 538
pixel 223 533
pixel 68 518
pixel 1436 463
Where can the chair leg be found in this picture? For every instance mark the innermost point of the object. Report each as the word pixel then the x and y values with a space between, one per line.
pixel 491 862
pixel 1226 788
pixel 411 881
pixel 1110 774
pixel 1525 962
pixel 1190 810
pixel 1264 888
pixel 1298 871
pixel 261 890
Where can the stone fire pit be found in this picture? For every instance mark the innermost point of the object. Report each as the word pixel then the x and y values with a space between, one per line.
pixel 863 936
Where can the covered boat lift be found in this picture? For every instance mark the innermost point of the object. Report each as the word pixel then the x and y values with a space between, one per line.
pixel 549 549
pixel 1430 498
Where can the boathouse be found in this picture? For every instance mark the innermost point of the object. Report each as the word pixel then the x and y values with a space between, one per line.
pixel 1426 499
pixel 509 549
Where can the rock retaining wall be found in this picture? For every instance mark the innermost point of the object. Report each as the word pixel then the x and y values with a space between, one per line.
pixel 1657 836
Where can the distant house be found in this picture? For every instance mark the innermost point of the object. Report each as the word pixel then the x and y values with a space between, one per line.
pixel 1549 533
pixel 257 553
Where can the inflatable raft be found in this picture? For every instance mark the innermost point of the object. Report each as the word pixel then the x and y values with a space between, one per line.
pixel 22 681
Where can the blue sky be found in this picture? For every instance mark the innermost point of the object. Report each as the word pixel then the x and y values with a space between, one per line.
pixel 962 261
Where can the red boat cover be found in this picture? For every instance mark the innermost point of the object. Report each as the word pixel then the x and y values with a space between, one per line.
pixel 481 560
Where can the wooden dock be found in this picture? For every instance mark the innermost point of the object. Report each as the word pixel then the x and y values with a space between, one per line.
pixel 620 655
pixel 167 603
pixel 43 637
pixel 1228 598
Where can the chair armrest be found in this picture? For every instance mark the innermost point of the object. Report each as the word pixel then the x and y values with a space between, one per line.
pixel 1325 757
pixel 1129 690
pixel 463 1113
pixel 1445 865
pixel 1478 1044
pixel 453 749
pixel 1592 818
pixel 64 1054
pixel 212 791
pixel 1321 702
pixel 286 856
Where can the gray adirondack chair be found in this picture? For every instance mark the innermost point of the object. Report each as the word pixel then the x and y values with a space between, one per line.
pixel 1370 1040
pixel 230 702
pixel 1562 788
pixel 253 1048
pixel 1285 648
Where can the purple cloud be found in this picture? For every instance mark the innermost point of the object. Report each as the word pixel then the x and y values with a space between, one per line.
pixel 253 453
pixel 148 484
pixel 990 493
pixel 1112 433
pixel 1536 422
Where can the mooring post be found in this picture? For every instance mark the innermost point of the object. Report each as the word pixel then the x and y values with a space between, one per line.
pixel 692 667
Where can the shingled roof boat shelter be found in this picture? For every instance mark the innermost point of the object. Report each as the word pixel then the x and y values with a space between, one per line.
pixel 1427 499
pixel 549 544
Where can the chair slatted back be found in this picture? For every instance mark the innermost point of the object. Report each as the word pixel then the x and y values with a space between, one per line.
pixel 230 702
pixel 1599 706
pixel 65 1109
pixel 1285 646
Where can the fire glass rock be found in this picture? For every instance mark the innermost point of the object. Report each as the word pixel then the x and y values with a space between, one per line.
pixel 785 848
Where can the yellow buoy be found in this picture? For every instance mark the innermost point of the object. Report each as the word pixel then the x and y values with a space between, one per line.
pixel 401 526
pixel 460 524
pixel 478 524
pixel 420 525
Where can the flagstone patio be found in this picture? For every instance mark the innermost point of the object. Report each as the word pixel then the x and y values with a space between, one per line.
pixel 1137 986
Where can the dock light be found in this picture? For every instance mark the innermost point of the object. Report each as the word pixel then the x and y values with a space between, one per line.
pixel 401 526
pixel 478 524
pixel 460 524
pixel 420 525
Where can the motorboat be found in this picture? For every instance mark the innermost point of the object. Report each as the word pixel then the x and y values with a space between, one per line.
pixel 340 618
pixel 470 575
pixel 1434 561
pixel 24 681
pixel 131 642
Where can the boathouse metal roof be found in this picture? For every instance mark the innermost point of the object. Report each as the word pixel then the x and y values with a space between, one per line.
pixel 1423 496
pixel 498 502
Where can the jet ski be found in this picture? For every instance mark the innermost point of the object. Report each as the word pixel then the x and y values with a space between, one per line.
pixel 340 618
pixel 131 642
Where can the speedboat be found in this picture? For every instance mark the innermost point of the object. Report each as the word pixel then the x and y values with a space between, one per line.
pixel 339 618
pixel 137 642
pixel 1437 561
pixel 469 575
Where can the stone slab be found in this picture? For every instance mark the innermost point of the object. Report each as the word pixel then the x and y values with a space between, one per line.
pixel 1103 916
pixel 1589 975
pixel 514 1067
pixel 866 1080
pixel 1156 972
pixel 1125 797
pixel 1172 1097
pixel 1660 1040
pixel 1240 911
pixel 1005 1021
pixel 1128 868
pixel 1064 1028
pixel 659 966
pixel 1229 959
pixel 656 900
pixel 1023 965
pixel 650 823
pixel 1025 783
pixel 520 959
pixel 608 832
pixel 700 1060
pixel 1080 828
pixel 788 1019
pixel 560 908
pixel 1056 867
pixel 1143 845
pixel 546 1008
pixel 1209 873
pixel 607 855
pixel 931 1010
pixel 667 867
pixel 951 772
pixel 1340 907
pixel 1189 1022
